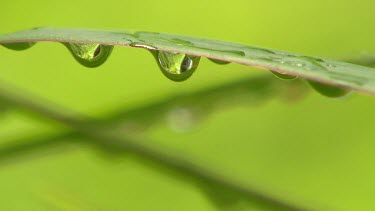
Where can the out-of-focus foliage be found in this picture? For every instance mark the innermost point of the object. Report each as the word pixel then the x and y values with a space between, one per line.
pixel 312 150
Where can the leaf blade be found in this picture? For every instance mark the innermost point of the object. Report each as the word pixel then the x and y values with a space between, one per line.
pixel 345 75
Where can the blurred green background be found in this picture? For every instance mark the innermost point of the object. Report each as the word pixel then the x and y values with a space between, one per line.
pixel 315 151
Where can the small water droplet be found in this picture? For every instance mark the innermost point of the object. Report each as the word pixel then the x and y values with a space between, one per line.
pixel 331 65
pixel 284 76
pixel 89 55
pixel 176 66
pixel 329 90
pixel 141 45
pixel 181 42
pixel 299 65
pixel 218 61
pixel 19 46
pixel 293 62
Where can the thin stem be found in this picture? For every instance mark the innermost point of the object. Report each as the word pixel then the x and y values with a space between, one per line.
pixel 144 150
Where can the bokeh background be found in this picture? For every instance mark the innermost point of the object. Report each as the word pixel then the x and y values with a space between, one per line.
pixel 314 151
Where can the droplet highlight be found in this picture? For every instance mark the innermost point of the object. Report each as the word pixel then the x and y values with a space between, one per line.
pixel 176 66
pixel 329 90
pixel 18 46
pixel 218 61
pixel 89 55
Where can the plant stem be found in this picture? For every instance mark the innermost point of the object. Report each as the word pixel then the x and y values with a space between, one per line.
pixel 144 150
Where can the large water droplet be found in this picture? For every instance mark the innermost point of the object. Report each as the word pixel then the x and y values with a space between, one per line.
pixel 284 76
pixel 218 61
pixel 89 55
pixel 328 90
pixel 176 66
pixel 18 46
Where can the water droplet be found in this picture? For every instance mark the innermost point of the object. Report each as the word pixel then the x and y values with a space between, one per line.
pixel 284 76
pixel 263 50
pixel 89 55
pixel 292 62
pixel 181 42
pixel 329 90
pixel 218 61
pixel 176 66
pixel 331 65
pixel 18 46
pixel 238 53
pixel 142 45
pixel 299 65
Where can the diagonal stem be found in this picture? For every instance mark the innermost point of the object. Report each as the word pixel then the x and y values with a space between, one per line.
pixel 144 151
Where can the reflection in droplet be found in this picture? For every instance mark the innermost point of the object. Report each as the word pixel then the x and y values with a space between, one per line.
pixel 329 90
pixel 18 46
pixel 176 66
pixel 89 55
pixel 218 61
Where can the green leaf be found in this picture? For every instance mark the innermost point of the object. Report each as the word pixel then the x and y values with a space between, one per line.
pixel 334 73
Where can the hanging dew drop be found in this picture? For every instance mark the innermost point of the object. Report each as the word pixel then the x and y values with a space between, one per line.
pixel 176 66
pixel 284 76
pixel 218 61
pixel 328 90
pixel 89 55
pixel 18 46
